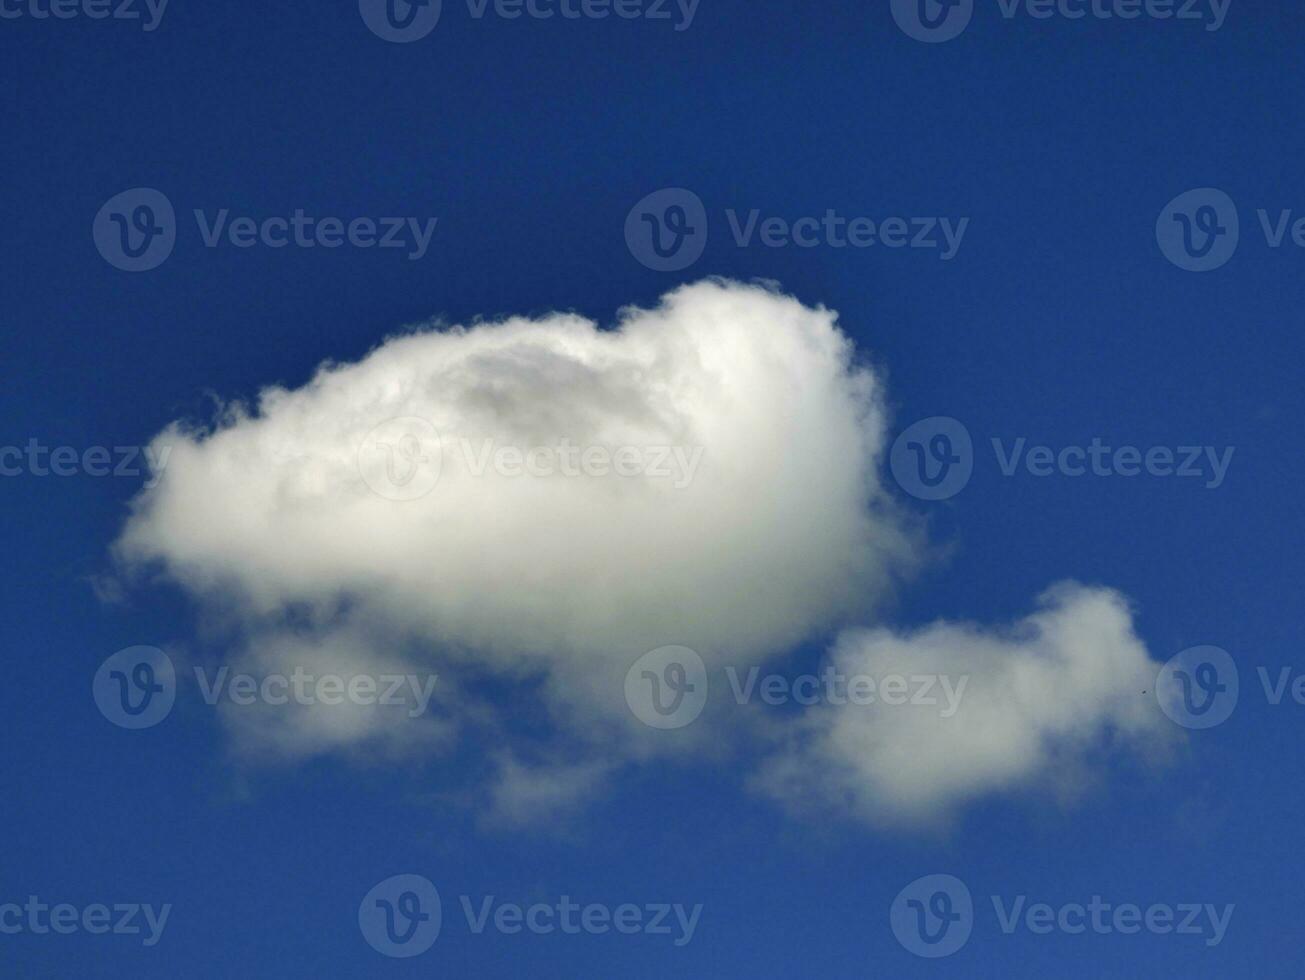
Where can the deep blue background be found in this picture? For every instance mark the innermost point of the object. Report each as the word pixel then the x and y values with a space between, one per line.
pixel 1059 321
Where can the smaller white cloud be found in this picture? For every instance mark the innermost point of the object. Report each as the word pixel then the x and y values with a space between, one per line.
pixel 1043 700
pixel 524 795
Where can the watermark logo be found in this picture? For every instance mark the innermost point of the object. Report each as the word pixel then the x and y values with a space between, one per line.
pixel 1198 688
pixel 401 458
pixel 667 230
pixel 135 231
pixel 933 916
pixel 1199 230
pixel 933 21
pixel 667 688
pixel 1211 13
pixel 933 459
pixel 136 687
pixel 403 21
pixel 400 21
pixel 401 916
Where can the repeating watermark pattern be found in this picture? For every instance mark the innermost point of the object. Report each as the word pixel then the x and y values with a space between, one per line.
pixel 667 688
pixel 1199 688
pixel 934 21
pixel 148 13
pixel 673 920
pixel 403 458
pixel 136 231
pixel 305 688
pixel 1201 919
pixel 405 21
pixel 1200 230
pixel 933 459
pixel 39 460
pixel 675 464
pixel 667 231
pixel 400 21
pixel 934 916
pixel 36 918
pixel 402 917
pixel 832 686
pixel 1207 463
pixel 137 688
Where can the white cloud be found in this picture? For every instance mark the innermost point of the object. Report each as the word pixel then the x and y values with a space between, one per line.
pixel 1041 702
pixel 524 795
pixel 282 521
pixel 784 528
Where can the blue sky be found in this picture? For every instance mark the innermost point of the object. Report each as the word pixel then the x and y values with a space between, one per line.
pixel 1058 320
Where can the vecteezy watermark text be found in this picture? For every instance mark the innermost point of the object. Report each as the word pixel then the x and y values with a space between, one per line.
pixel 933 459
pixel 137 687
pixel 1200 230
pixel 667 231
pixel 934 21
pixel 405 21
pixel 678 464
pixel 934 917
pixel 404 458
pixel 402 917
pixel 136 231
pixel 302 687
pixel 832 686
pixel 38 459
pixel 148 12
pixel 120 919
pixel 667 688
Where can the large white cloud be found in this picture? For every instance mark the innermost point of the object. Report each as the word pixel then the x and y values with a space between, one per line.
pixel 782 528
pixel 530 505
pixel 1039 703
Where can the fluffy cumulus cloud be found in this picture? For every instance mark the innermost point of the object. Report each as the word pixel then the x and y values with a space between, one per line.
pixel 544 497
pixel 525 507
pixel 1035 704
